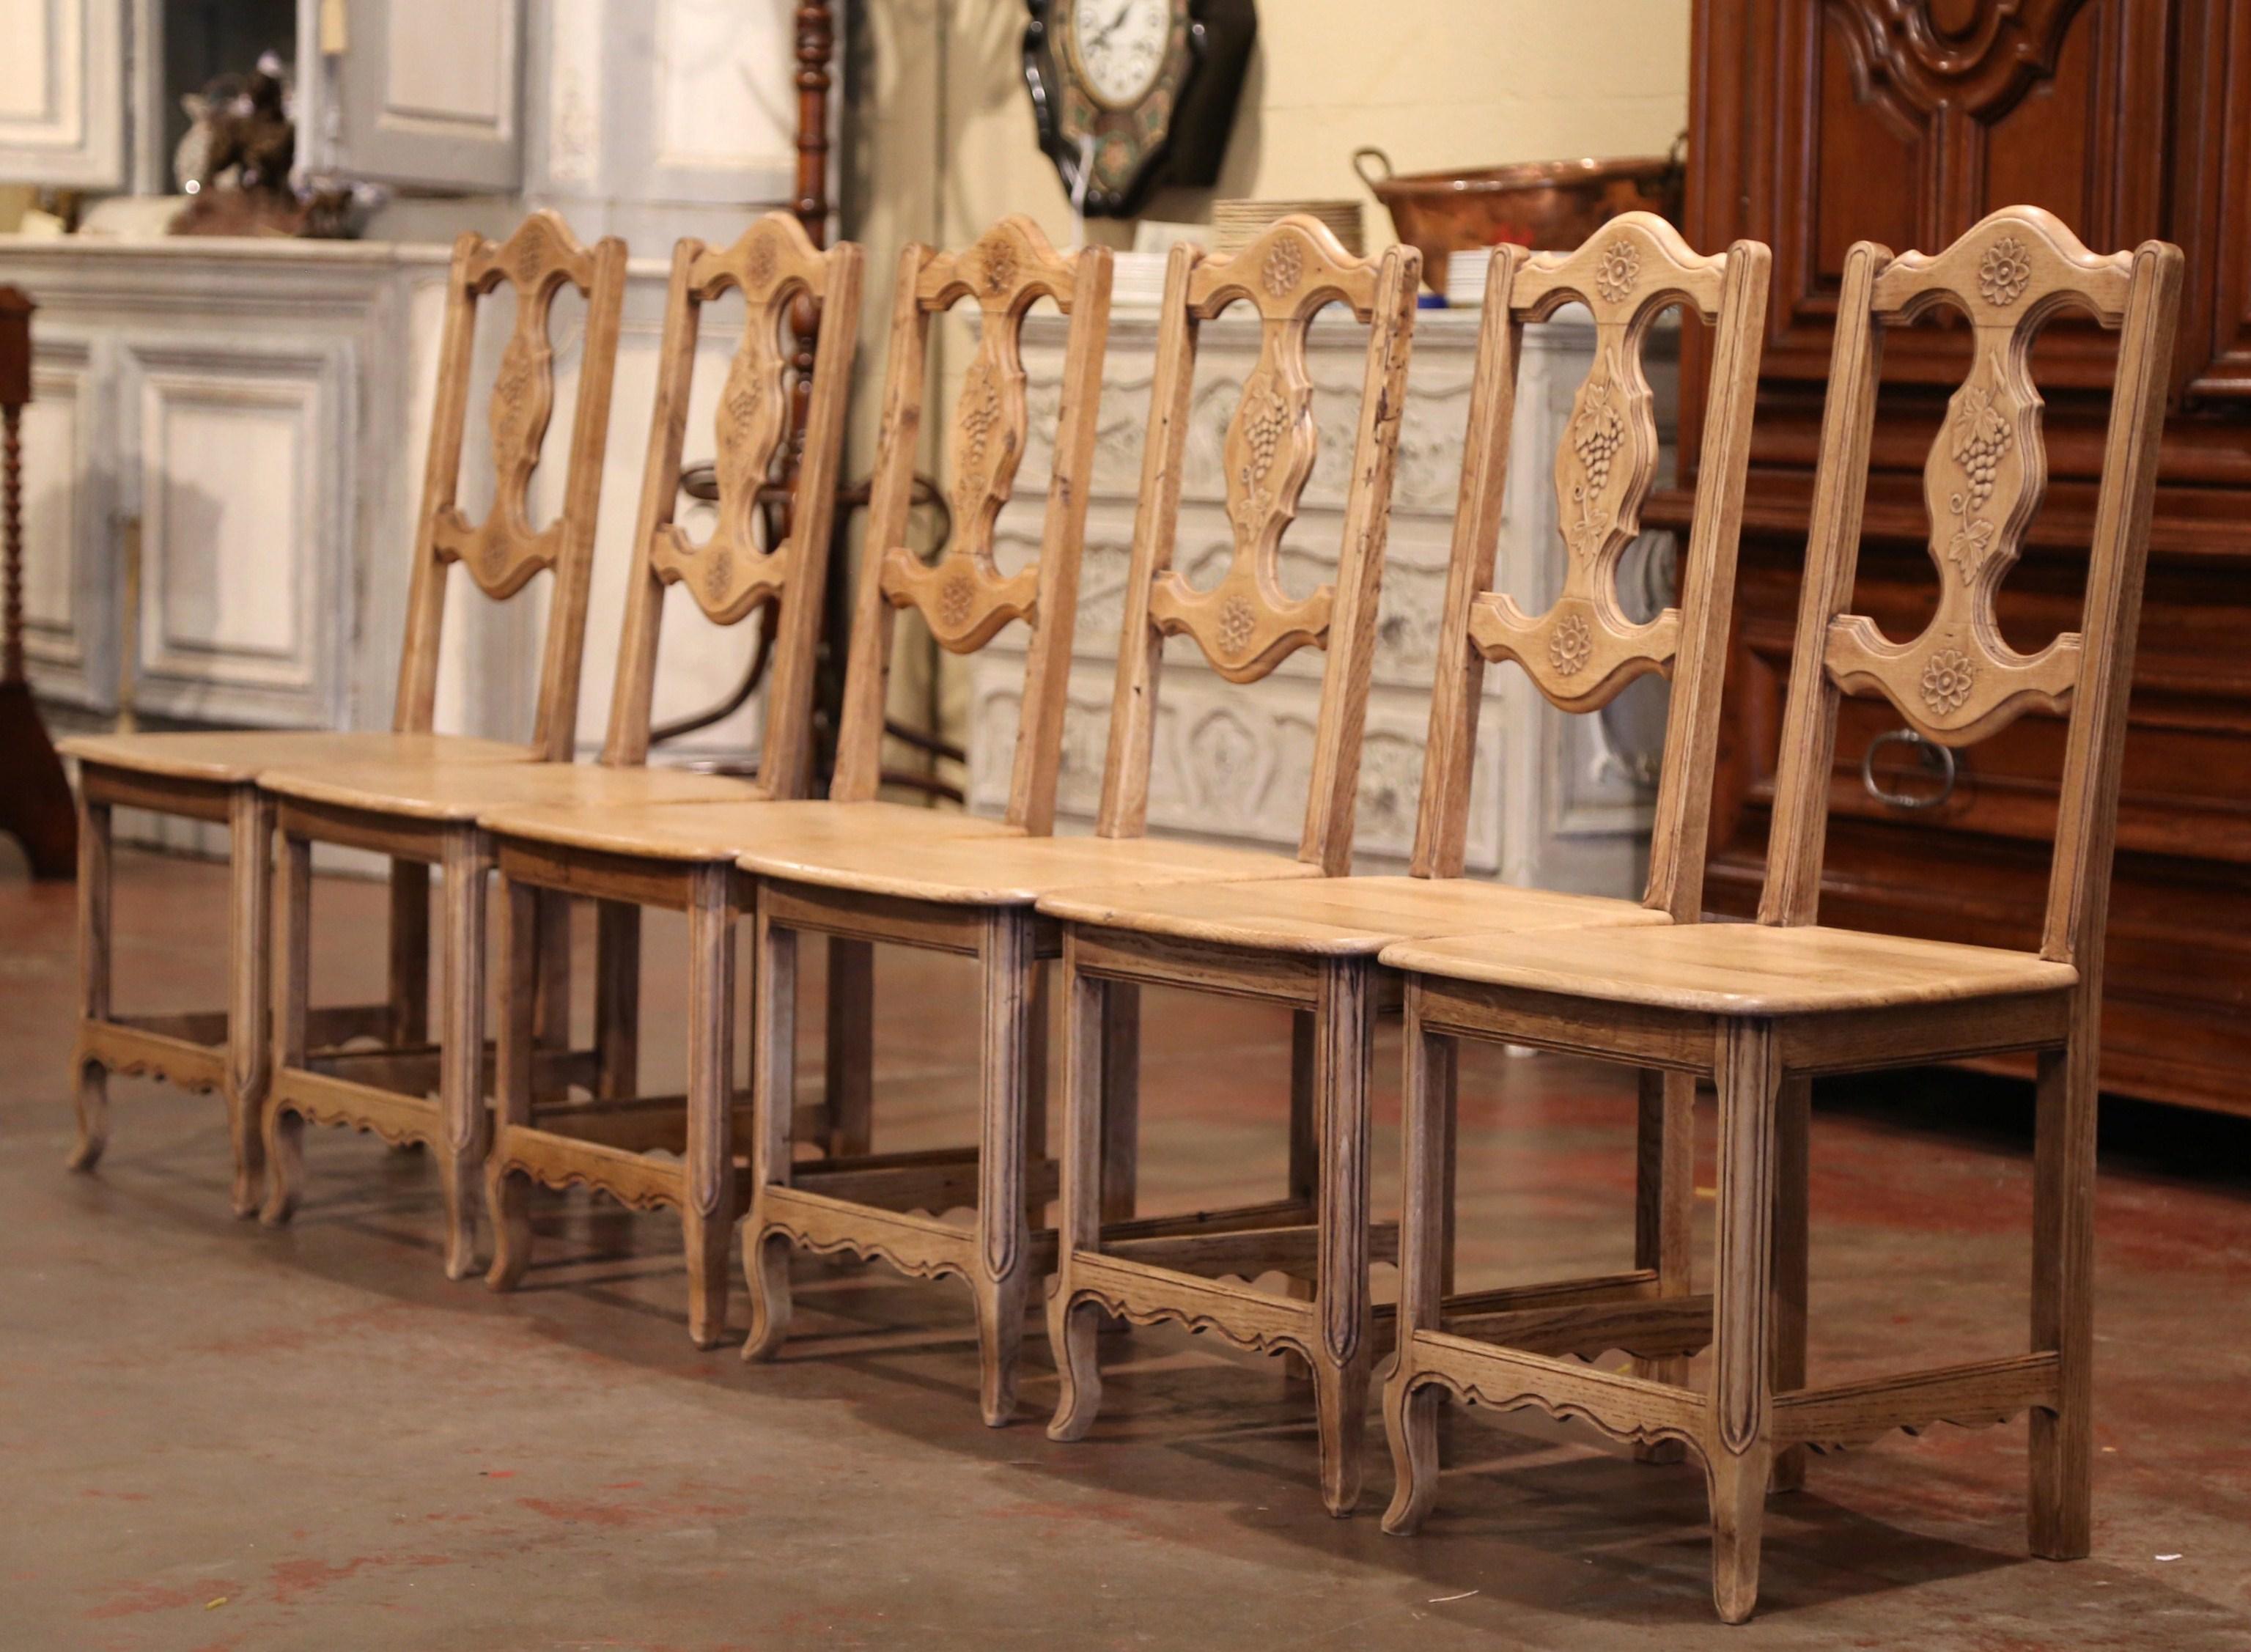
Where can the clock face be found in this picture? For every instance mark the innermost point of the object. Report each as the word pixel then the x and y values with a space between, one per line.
pixel 1131 94
pixel 1120 46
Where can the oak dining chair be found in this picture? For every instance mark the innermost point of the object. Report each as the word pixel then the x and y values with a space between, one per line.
pixel 685 858
pixel 211 775
pixel 428 812
pixel 976 898
pixel 1761 1009
pixel 1312 945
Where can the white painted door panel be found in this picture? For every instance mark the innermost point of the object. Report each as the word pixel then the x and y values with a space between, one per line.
pixel 429 91
pixel 62 92
pixel 242 476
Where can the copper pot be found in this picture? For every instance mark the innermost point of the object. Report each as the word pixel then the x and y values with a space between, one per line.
pixel 1547 205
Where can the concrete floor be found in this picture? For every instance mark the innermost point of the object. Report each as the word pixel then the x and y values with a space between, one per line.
pixel 217 1436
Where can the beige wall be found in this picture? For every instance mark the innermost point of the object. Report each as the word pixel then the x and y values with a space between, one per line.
pixel 1437 83
pixel 942 140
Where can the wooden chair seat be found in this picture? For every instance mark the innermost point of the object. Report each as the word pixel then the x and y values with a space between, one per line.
pixel 1339 917
pixel 722 830
pixel 465 792
pixel 1013 872
pixel 237 756
pixel 1739 969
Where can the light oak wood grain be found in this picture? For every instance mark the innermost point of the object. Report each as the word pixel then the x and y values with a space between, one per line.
pixel 974 894
pixel 1336 915
pixel 429 810
pixel 989 870
pixel 1762 1008
pixel 1287 943
pixel 467 793
pixel 211 776
pixel 1739 969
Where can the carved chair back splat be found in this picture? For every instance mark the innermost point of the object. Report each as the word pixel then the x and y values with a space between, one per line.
pixel 212 775
pixel 964 599
pixel 502 552
pixel 731 576
pixel 982 903
pixel 962 596
pixel 1579 655
pixel 1960 681
pixel 1760 1009
pixel 442 818
pixel 1246 625
pixel 1584 650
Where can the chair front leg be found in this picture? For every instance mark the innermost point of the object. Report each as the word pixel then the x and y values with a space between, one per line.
pixel 462 1044
pixel 1738 1444
pixel 2060 1520
pixel 1410 1410
pixel 90 1079
pixel 708 1212
pixel 1345 1047
pixel 509 1196
pixel 284 1127
pixel 1003 1283
pixel 250 988
pixel 1090 1022
pixel 773 1109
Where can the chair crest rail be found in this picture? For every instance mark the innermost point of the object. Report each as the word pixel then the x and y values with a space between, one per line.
pixel 962 596
pixel 1584 650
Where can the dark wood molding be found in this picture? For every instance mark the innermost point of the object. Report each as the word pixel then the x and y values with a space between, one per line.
pixel 1904 121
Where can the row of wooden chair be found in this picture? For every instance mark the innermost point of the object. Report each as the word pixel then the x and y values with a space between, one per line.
pixel 1757 1010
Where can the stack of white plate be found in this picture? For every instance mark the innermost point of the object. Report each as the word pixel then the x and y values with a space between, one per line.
pixel 1465 274
pixel 1234 225
pixel 1137 279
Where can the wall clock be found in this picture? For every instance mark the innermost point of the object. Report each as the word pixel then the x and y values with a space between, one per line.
pixel 1136 93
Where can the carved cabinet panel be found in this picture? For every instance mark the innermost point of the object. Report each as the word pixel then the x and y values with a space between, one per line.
pixel 1904 121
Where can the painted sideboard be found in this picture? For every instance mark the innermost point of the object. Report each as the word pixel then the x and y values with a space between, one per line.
pixel 1559 801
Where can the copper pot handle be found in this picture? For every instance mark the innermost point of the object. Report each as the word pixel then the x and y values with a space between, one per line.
pixel 1369 152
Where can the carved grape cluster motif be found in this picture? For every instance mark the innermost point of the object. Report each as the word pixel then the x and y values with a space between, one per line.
pixel 1263 418
pixel 2004 272
pixel 1285 267
pixel 1619 268
pixel 980 416
pixel 512 392
pixel 1571 646
pixel 1596 432
pixel 1237 621
pixel 1947 677
pixel 1978 438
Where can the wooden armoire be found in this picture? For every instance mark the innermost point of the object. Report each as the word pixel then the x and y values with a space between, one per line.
pixel 1815 123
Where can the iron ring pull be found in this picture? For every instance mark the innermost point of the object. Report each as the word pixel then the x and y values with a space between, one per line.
pixel 1936 759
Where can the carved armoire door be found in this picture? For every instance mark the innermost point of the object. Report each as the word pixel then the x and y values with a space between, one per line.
pixel 1815 123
